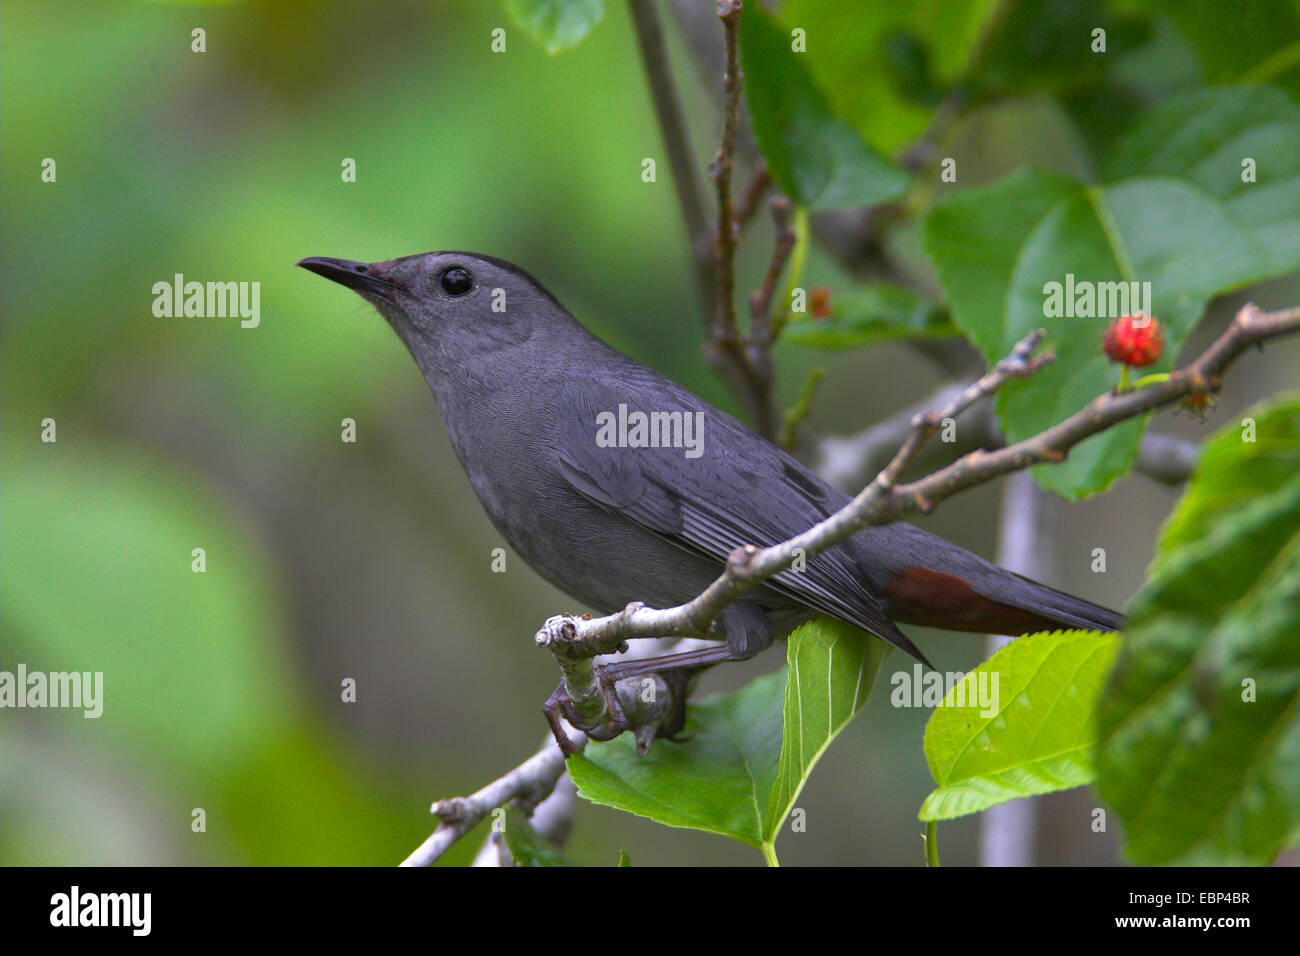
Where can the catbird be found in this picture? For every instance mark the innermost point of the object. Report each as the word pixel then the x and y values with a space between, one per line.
pixel 618 485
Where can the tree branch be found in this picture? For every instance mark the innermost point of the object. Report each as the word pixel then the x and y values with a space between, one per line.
pixel 753 195
pixel 847 461
pixel 762 334
pixel 537 785
pixel 528 784
pixel 745 370
pixel 552 818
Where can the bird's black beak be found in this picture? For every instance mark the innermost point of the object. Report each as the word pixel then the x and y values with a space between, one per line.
pixel 362 277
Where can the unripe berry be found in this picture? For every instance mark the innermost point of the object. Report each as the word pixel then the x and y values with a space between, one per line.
pixel 819 301
pixel 1134 340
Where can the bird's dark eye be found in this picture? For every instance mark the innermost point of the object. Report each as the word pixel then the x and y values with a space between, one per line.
pixel 456 281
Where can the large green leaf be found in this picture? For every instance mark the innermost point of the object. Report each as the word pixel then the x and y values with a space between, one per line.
pixel 1200 727
pixel 874 312
pixel 750 752
pixel 853 54
pixel 817 158
pixel 1020 724
pixel 997 248
pixel 884 66
pixel 1203 137
pixel 831 667
pixel 1231 473
pixel 718 780
pixel 556 24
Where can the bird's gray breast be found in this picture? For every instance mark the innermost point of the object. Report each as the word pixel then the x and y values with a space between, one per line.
pixel 511 455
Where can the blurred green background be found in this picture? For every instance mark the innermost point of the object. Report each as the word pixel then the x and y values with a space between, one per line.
pixel 370 561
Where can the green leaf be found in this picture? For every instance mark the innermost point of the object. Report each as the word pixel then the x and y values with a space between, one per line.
pixel 997 248
pixel 816 157
pixel 1200 727
pixel 526 846
pixel 1020 724
pixel 1203 137
pixel 556 24
pixel 831 667
pixel 751 752
pixel 853 58
pixel 623 858
pixel 717 781
pixel 1231 472
pixel 875 312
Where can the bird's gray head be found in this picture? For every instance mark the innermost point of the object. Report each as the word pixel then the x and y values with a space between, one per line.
pixel 446 304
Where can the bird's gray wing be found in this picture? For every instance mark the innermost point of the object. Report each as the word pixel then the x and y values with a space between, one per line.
pixel 739 490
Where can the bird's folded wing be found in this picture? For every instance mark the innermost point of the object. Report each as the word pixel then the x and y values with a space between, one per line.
pixel 738 491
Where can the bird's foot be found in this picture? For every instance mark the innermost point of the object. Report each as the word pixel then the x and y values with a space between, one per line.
pixel 657 701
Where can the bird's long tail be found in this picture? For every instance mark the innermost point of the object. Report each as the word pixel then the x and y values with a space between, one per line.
pixel 932 582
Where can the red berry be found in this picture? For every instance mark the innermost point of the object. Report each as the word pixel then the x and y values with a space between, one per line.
pixel 819 301
pixel 1134 340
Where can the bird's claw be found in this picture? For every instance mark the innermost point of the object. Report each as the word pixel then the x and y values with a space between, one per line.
pixel 560 707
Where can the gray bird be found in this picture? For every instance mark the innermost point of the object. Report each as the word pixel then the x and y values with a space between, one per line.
pixel 618 485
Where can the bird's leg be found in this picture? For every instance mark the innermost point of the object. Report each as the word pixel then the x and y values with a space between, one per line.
pixel 676 670
pixel 559 707
pixel 558 701
pixel 692 661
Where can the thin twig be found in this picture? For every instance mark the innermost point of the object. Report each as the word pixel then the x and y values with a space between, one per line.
pixel 760 301
pixel 528 784
pixel 534 783
pixel 846 461
pixel 677 143
pixel 552 819
pixel 753 195
pixel 747 372
pixel 720 170
pixel 800 410
pixel 713 251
